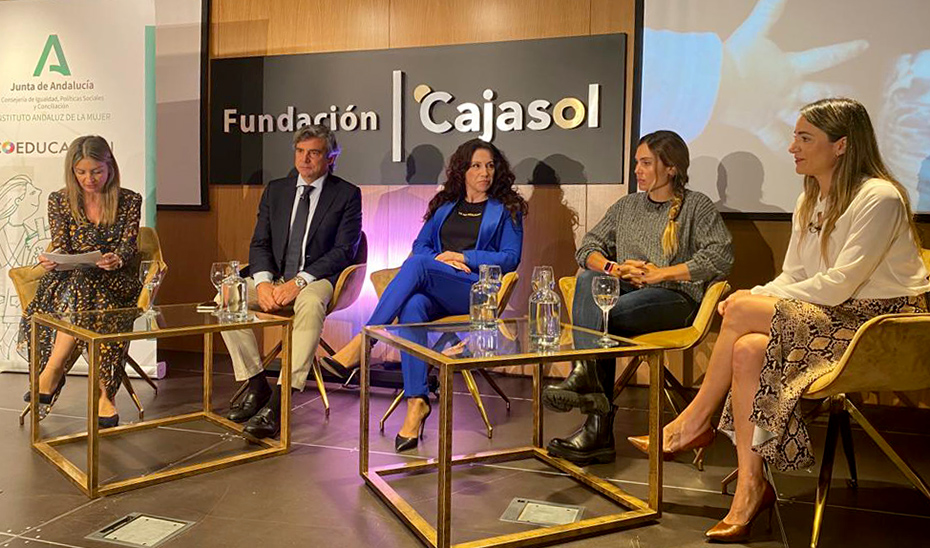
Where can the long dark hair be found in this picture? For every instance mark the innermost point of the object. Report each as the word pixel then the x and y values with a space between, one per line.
pixel 453 189
pixel 672 151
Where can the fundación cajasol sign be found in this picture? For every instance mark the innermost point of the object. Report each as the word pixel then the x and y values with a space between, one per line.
pixel 554 103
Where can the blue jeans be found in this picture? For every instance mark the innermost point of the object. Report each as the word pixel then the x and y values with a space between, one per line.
pixel 638 311
pixel 424 290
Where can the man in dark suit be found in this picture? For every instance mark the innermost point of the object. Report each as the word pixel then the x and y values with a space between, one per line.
pixel 307 232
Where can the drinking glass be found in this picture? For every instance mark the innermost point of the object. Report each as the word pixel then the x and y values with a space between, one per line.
pixel 218 273
pixel 151 274
pixel 606 292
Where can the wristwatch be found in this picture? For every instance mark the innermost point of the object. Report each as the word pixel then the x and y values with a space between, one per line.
pixel 609 267
pixel 300 281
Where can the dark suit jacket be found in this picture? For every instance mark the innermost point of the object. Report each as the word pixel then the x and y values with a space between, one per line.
pixel 332 240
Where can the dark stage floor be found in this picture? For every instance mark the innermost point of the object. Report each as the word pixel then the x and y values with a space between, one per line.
pixel 314 496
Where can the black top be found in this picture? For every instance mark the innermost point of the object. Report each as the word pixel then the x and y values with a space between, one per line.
pixel 460 230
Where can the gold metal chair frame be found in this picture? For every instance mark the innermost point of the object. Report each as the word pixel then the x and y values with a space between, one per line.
pixel 348 288
pixel 440 537
pixel 89 482
pixel 673 340
pixel 26 281
pixel 382 278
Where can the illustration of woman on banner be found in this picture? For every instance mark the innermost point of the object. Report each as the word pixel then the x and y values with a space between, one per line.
pixel 20 243
pixel 22 237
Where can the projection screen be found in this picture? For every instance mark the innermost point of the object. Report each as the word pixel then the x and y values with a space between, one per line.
pixel 731 75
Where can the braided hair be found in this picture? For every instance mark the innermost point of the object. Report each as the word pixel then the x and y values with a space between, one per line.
pixel 672 151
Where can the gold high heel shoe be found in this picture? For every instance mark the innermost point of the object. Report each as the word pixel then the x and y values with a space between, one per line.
pixel 731 532
pixel 703 439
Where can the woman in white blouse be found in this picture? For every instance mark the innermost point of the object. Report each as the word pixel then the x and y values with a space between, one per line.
pixel 853 255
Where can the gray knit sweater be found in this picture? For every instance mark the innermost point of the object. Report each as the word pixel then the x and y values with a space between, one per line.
pixel 632 229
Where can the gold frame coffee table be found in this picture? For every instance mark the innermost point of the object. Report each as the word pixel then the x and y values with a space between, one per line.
pixel 508 345
pixel 98 327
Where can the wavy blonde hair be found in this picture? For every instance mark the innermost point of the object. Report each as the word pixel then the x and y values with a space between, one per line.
pixel 840 117
pixel 96 148
pixel 672 151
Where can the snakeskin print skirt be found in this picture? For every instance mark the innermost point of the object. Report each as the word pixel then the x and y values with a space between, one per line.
pixel 807 341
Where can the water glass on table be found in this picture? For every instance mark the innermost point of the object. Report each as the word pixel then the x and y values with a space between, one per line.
pixel 218 272
pixel 606 292
pixel 151 274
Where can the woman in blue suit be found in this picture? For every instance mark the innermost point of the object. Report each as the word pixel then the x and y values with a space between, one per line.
pixel 477 218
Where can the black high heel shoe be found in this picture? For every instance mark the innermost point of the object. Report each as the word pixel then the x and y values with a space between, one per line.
pixel 402 443
pixel 341 370
pixel 108 422
pixel 46 401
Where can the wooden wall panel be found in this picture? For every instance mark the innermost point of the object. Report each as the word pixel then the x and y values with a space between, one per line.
pixel 239 28
pixel 612 16
pixel 419 23
pixel 274 27
pixel 601 197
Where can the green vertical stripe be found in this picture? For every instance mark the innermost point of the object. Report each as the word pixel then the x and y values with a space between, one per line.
pixel 150 136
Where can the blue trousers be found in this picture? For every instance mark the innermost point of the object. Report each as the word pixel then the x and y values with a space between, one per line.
pixel 638 311
pixel 424 290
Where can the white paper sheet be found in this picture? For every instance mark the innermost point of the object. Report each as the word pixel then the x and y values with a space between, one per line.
pixel 79 260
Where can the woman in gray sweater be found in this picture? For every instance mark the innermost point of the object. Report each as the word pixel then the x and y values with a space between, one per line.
pixel 665 244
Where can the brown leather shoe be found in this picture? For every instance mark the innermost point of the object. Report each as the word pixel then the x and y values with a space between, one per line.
pixel 704 439
pixel 731 532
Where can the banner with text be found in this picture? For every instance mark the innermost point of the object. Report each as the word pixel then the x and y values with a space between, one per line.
pixel 554 106
pixel 68 68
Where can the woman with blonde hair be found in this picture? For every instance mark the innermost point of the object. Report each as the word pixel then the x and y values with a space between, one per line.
pixel 92 213
pixel 853 255
pixel 665 244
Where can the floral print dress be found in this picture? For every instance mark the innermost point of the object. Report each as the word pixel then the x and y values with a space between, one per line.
pixel 84 289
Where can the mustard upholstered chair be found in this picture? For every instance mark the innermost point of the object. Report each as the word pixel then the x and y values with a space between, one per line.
pixel 673 340
pixel 887 354
pixel 26 281
pixel 380 281
pixel 345 293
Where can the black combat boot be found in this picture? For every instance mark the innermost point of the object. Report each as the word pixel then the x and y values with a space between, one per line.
pixel 580 389
pixel 593 442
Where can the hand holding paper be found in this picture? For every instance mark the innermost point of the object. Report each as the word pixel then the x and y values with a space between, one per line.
pixel 64 261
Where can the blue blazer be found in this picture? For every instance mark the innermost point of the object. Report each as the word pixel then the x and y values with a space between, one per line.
pixel 500 239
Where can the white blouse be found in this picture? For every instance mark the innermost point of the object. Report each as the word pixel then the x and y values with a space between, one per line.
pixel 871 254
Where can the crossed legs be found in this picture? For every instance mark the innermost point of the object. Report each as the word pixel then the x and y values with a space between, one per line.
pixel 424 289
pixel 735 366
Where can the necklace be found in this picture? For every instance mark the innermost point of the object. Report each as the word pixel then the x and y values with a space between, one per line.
pixel 476 209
